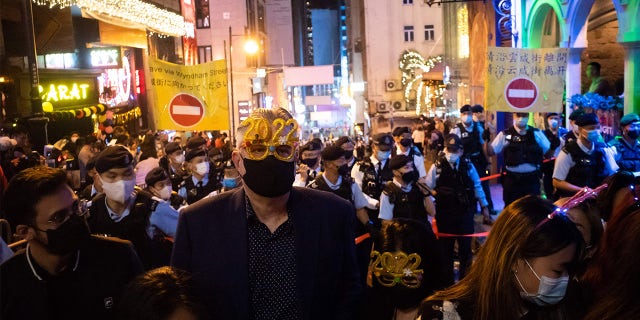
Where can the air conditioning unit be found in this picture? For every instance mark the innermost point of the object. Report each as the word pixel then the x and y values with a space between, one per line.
pixel 392 85
pixel 383 107
pixel 398 106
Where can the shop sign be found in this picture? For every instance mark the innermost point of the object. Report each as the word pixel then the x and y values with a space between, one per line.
pixel 63 93
pixel 106 57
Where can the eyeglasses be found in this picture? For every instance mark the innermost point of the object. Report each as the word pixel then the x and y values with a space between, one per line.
pixel 574 201
pixel 78 208
pixel 260 142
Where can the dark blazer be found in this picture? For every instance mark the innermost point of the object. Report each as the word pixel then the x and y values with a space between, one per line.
pixel 211 243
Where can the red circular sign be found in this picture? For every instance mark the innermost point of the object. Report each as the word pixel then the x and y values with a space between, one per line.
pixel 521 93
pixel 186 110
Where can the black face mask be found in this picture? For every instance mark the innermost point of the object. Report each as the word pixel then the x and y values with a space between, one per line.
pixel 348 154
pixel 633 134
pixel 410 177
pixel 406 142
pixel 310 162
pixel 343 170
pixel 269 177
pixel 70 236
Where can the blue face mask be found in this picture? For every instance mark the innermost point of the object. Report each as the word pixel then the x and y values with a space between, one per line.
pixel 593 135
pixel 550 291
pixel 230 183
pixel 383 155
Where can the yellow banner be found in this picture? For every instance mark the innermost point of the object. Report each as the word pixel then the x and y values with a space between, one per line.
pixel 190 97
pixel 525 80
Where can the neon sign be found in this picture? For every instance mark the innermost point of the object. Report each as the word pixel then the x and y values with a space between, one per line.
pixel 68 93
pixel 105 57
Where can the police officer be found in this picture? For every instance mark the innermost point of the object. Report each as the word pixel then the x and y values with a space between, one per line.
pixel 217 164
pixel 627 145
pixel 309 166
pixel 348 145
pixel 159 185
pixel 172 162
pixel 524 147
pixel 373 172
pixel 401 198
pixel 127 212
pixel 404 145
pixel 200 183
pixel 471 133
pixel 553 134
pixel 584 162
pixel 457 188
pixel 572 134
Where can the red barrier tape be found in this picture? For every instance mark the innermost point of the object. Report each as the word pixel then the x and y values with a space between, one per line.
pixel 362 238
pixel 493 176
pixel 473 235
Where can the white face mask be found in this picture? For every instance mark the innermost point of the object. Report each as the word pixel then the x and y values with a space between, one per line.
pixel 202 168
pixel 550 291
pixel 179 159
pixel 165 193
pixel 451 157
pixel 74 139
pixel 119 191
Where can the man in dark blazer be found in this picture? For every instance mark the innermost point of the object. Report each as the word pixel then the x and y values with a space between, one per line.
pixel 268 250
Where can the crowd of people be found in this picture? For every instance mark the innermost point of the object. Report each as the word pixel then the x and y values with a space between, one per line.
pixel 265 226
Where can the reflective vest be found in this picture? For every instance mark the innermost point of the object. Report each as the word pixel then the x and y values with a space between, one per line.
pixel 454 188
pixel 406 204
pixel 588 170
pixel 372 182
pixel 344 191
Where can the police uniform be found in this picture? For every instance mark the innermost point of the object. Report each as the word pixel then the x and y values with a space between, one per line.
pixel 402 201
pixel 582 166
pixel 522 159
pixel 457 189
pixel 313 172
pixel 176 176
pixel 193 189
pixel 412 152
pixel 628 154
pixel 549 159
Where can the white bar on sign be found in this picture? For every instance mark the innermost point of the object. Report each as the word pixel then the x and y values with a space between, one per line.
pixel 186 110
pixel 521 93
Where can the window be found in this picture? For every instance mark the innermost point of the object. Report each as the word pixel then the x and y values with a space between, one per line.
pixel 204 54
pixel 407 1
pixel 408 33
pixel 203 19
pixel 429 32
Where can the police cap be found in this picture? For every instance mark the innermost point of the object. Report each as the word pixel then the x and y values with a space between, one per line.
pixel 477 108
pixel 465 108
pixel 587 119
pixel 155 175
pixel 192 153
pixel 452 141
pixel 195 142
pixel 311 146
pixel 113 157
pixel 331 153
pixel 576 114
pixel 383 139
pixel 398 161
pixel 551 114
pixel 399 131
pixel 172 147
pixel 342 140
pixel 629 119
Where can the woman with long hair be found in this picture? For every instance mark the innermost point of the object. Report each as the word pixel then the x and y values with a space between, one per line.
pixel 521 272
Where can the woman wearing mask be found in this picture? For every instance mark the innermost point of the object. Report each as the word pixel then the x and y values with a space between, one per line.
pixel 521 272
pixel 199 184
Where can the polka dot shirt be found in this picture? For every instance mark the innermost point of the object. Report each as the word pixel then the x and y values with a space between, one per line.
pixel 272 270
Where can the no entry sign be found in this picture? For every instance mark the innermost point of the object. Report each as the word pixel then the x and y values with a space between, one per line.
pixel 186 110
pixel 521 93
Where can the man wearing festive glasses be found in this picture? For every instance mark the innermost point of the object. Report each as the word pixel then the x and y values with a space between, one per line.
pixel 269 250
pixel 64 272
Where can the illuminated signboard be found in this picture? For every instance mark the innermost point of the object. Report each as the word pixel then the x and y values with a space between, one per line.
pixel 109 57
pixel 66 93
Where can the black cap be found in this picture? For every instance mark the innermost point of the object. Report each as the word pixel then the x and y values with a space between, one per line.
pixel 453 141
pixel 331 153
pixel 172 147
pixel 196 142
pixel 214 152
pixel 576 114
pixel 113 157
pixel 522 114
pixel 342 140
pixel 398 161
pixel 629 119
pixel 192 153
pixel 477 108
pixel 156 174
pixel 587 119
pixel 465 108
pixel 311 146
pixel 383 138
pixel 551 114
pixel 399 131
pixel 91 164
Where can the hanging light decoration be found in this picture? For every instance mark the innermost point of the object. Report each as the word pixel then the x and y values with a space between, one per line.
pixel 133 13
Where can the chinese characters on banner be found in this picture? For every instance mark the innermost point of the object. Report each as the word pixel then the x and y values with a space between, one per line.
pixel 525 80
pixel 190 97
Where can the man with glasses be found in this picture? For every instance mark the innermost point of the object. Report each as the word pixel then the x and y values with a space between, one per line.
pixel 64 272
pixel 627 145
pixel 269 250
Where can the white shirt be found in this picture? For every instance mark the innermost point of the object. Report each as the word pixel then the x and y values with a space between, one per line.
pixel 386 207
pixel 456 130
pixel 564 161
pixel 357 196
pixel 299 182
pixel 357 176
pixel 418 136
pixel 500 141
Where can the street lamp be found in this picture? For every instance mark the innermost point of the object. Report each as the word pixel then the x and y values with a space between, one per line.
pixel 251 47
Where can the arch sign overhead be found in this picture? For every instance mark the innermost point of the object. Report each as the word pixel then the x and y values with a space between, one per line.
pixel 530 80
pixel 189 97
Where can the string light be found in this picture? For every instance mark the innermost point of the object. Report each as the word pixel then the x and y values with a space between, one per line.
pixel 410 61
pixel 130 11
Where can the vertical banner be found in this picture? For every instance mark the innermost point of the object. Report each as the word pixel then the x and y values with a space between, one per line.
pixel 190 97
pixel 525 80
